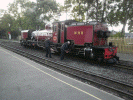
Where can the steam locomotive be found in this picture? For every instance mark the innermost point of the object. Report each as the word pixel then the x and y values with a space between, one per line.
pixel 88 39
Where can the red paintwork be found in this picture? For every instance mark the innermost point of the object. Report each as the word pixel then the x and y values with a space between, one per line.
pixel 24 34
pixel 9 32
pixel 62 37
pixel 55 37
pixel 110 54
pixel 80 34
pixel 87 36
pixel 62 32
pixel 55 34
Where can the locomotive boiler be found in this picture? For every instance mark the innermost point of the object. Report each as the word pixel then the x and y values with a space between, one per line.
pixel 34 38
pixel 88 39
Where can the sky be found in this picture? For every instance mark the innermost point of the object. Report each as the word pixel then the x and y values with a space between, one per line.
pixel 4 4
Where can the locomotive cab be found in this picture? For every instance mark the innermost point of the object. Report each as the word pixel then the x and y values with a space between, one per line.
pixel 60 33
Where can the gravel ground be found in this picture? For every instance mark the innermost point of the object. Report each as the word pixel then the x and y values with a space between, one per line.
pixel 107 71
pixel 125 57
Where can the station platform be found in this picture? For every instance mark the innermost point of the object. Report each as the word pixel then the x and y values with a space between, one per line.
pixel 23 79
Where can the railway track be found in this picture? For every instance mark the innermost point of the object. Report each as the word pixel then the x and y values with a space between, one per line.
pixel 122 89
pixel 125 65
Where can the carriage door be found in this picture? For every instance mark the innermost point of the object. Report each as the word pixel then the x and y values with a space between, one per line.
pixel 62 32
pixel 59 32
pixel 55 32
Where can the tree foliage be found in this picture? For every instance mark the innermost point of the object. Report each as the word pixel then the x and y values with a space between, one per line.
pixel 118 34
pixel 130 25
pixel 124 12
pixel 111 11
pixel 94 9
pixel 24 14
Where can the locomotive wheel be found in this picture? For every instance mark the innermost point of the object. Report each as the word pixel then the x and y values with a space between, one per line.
pixel 115 60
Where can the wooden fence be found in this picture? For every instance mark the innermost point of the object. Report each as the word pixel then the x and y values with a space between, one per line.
pixel 125 45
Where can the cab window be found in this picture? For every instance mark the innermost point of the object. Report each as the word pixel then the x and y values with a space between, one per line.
pixel 54 28
pixel 62 27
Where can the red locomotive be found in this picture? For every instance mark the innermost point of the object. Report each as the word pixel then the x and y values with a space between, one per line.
pixel 88 39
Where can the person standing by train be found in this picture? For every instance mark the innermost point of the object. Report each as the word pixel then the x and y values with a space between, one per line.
pixel 64 48
pixel 47 47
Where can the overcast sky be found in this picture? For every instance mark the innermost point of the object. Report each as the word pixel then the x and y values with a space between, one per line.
pixel 4 4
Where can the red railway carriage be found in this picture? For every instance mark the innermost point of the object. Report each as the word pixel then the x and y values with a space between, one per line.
pixel 89 39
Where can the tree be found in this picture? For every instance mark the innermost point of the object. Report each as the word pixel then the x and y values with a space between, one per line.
pixel 130 26
pixel 24 14
pixel 16 9
pixel 37 14
pixel 32 14
pixel 95 9
pixel 8 24
pixel 124 12
pixel 111 11
pixel 78 10
pixel 45 9
pixel 130 22
pixel 118 34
